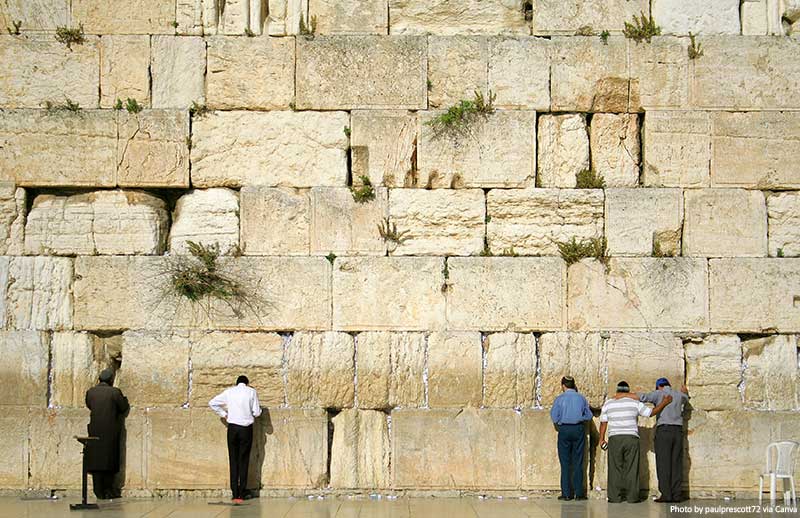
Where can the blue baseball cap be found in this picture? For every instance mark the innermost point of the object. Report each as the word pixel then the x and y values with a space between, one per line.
pixel 660 382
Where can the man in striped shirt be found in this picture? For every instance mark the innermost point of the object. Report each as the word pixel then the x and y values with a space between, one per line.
pixel 620 417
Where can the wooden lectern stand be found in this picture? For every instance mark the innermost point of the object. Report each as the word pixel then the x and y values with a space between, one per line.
pixel 84 505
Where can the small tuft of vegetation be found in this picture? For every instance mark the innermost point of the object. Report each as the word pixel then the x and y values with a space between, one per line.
pixel 198 110
pixel 509 252
pixel 643 28
pixel 589 179
pixel 364 193
pixel 430 85
pixel 132 106
pixel 388 231
pixel 780 252
pixel 249 33
pixel 293 106
pixel 446 275
pixel 118 105
pixel 175 24
pixel 67 106
pixel 15 30
pixel 487 219
pixel 573 251
pixel 347 131
pixel 189 143
pixel 694 50
pixel 586 30
pixel 331 257
pixel 658 251
pixel 69 36
pixel 460 117
pixel 310 30
pixel 604 37
pixel 486 252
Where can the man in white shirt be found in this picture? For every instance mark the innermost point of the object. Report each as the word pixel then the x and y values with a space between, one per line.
pixel 620 417
pixel 239 407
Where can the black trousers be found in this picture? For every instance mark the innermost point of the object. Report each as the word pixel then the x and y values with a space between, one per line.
pixel 240 440
pixel 669 461
pixel 571 445
pixel 103 484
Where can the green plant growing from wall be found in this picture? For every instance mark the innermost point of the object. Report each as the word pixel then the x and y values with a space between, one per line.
pixel 446 275
pixel 573 250
pixel 67 106
pixel 331 257
pixel 459 118
pixel 15 31
pixel 509 252
pixel 694 49
pixel 249 33
pixel 347 131
pixel 132 106
pixel 487 251
pixel 643 28
pixel 658 251
pixel 118 105
pixel 589 179
pixel 604 37
pixel 780 252
pixel 175 24
pixel 364 193
pixel 388 231
pixel 198 110
pixel 69 36
pixel 310 30
pixel 585 30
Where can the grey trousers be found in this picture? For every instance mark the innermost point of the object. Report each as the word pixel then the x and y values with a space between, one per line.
pixel 623 468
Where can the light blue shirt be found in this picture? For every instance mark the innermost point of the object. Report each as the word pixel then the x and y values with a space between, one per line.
pixel 570 408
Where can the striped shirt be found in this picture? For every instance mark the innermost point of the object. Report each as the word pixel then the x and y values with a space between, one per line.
pixel 621 416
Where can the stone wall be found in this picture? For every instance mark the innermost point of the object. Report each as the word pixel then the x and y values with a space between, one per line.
pixel 427 363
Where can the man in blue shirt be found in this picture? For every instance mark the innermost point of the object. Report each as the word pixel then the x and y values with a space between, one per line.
pixel 569 413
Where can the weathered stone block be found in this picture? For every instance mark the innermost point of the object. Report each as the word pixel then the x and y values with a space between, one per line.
pixel 755 149
pixel 509 374
pixel 101 222
pixel 640 220
pixel 389 137
pixel 219 358
pixel 295 451
pixel 771 300
pixel 77 359
pixel 124 69
pixel 390 369
pixel 250 73
pixel 783 212
pixel 352 72
pixel 519 72
pixel 196 17
pixel 677 149
pixel 285 16
pixel 35 15
pixel 439 221
pixel 455 368
pixel 754 17
pixel 360 453
pixel 568 16
pixel 320 370
pixel 36 293
pixel 725 223
pixel 275 221
pixel 295 149
pixel 642 358
pixel 537 441
pixel 496 151
pixel 426 453
pixel 25 359
pixel 533 221
pixel 141 16
pixel 563 149
pixel 39 69
pixel 54 452
pixel 178 69
pixel 714 372
pixel 770 377
pixel 208 217
pixel 403 293
pixel 357 17
pixel 445 18
pixel 457 68
pixel 14 425
pixel 238 16
pixel 659 72
pixel 615 148
pixel 152 149
pixel 155 368
pixel 343 226
pixel 638 293
pixel 580 355
pixel 506 293
pixel 684 16
pixel 12 219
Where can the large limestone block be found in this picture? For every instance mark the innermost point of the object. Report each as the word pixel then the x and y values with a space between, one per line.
pixel 352 72
pixel 101 222
pixel 134 459
pixel 14 426
pixel 439 221
pixel 660 72
pixel 457 68
pixel 685 16
pixel 141 16
pixel 285 16
pixel 152 149
pixel 754 18
pixel 124 69
pixel 616 151
pixel 580 355
pixel 506 293
pixel 178 69
pixel 320 370
pixel 533 221
pixel 12 219
pixel 390 369
pixel 219 358
pixel 770 377
pixel 714 372
pixel 638 220
pixel 509 376
pixel 390 138
pixel 769 301
pixel 275 220
pixel 455 448
pixel 783 213
pixel 588 75
pixel 247 73
pixel 519 72
pixel 77 359
pixel 39 69
pixel 447 18
pixel 54 452
pixel 754 73
pixel 755 149
pixel 639 293
pixel 677 149
pixel 568 16
pixel 642 358
pixel 496 151
pixel 44 149
pixel 294 149
pixel 155 368
pixel 384 293
pixel 360 450
pixel 295 449
pixel 35 15
pixel 238 16
pixel 538 440
pixel 356 17
pixel 36 293
pixel 208 217
pixel 725 223
pixel 23 376
pixel 563 149
pixel 343 226
pixel 455 368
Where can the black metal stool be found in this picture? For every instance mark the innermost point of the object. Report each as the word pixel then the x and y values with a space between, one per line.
pixel 84 505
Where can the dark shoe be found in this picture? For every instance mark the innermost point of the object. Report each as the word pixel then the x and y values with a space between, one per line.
pixel 663 500
pixel 580 498
pixel 562 497
pixel 614 501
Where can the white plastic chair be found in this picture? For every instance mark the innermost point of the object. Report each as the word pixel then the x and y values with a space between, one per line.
pixel 780 465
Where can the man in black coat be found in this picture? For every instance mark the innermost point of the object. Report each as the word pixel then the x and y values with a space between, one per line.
pixel 108 410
